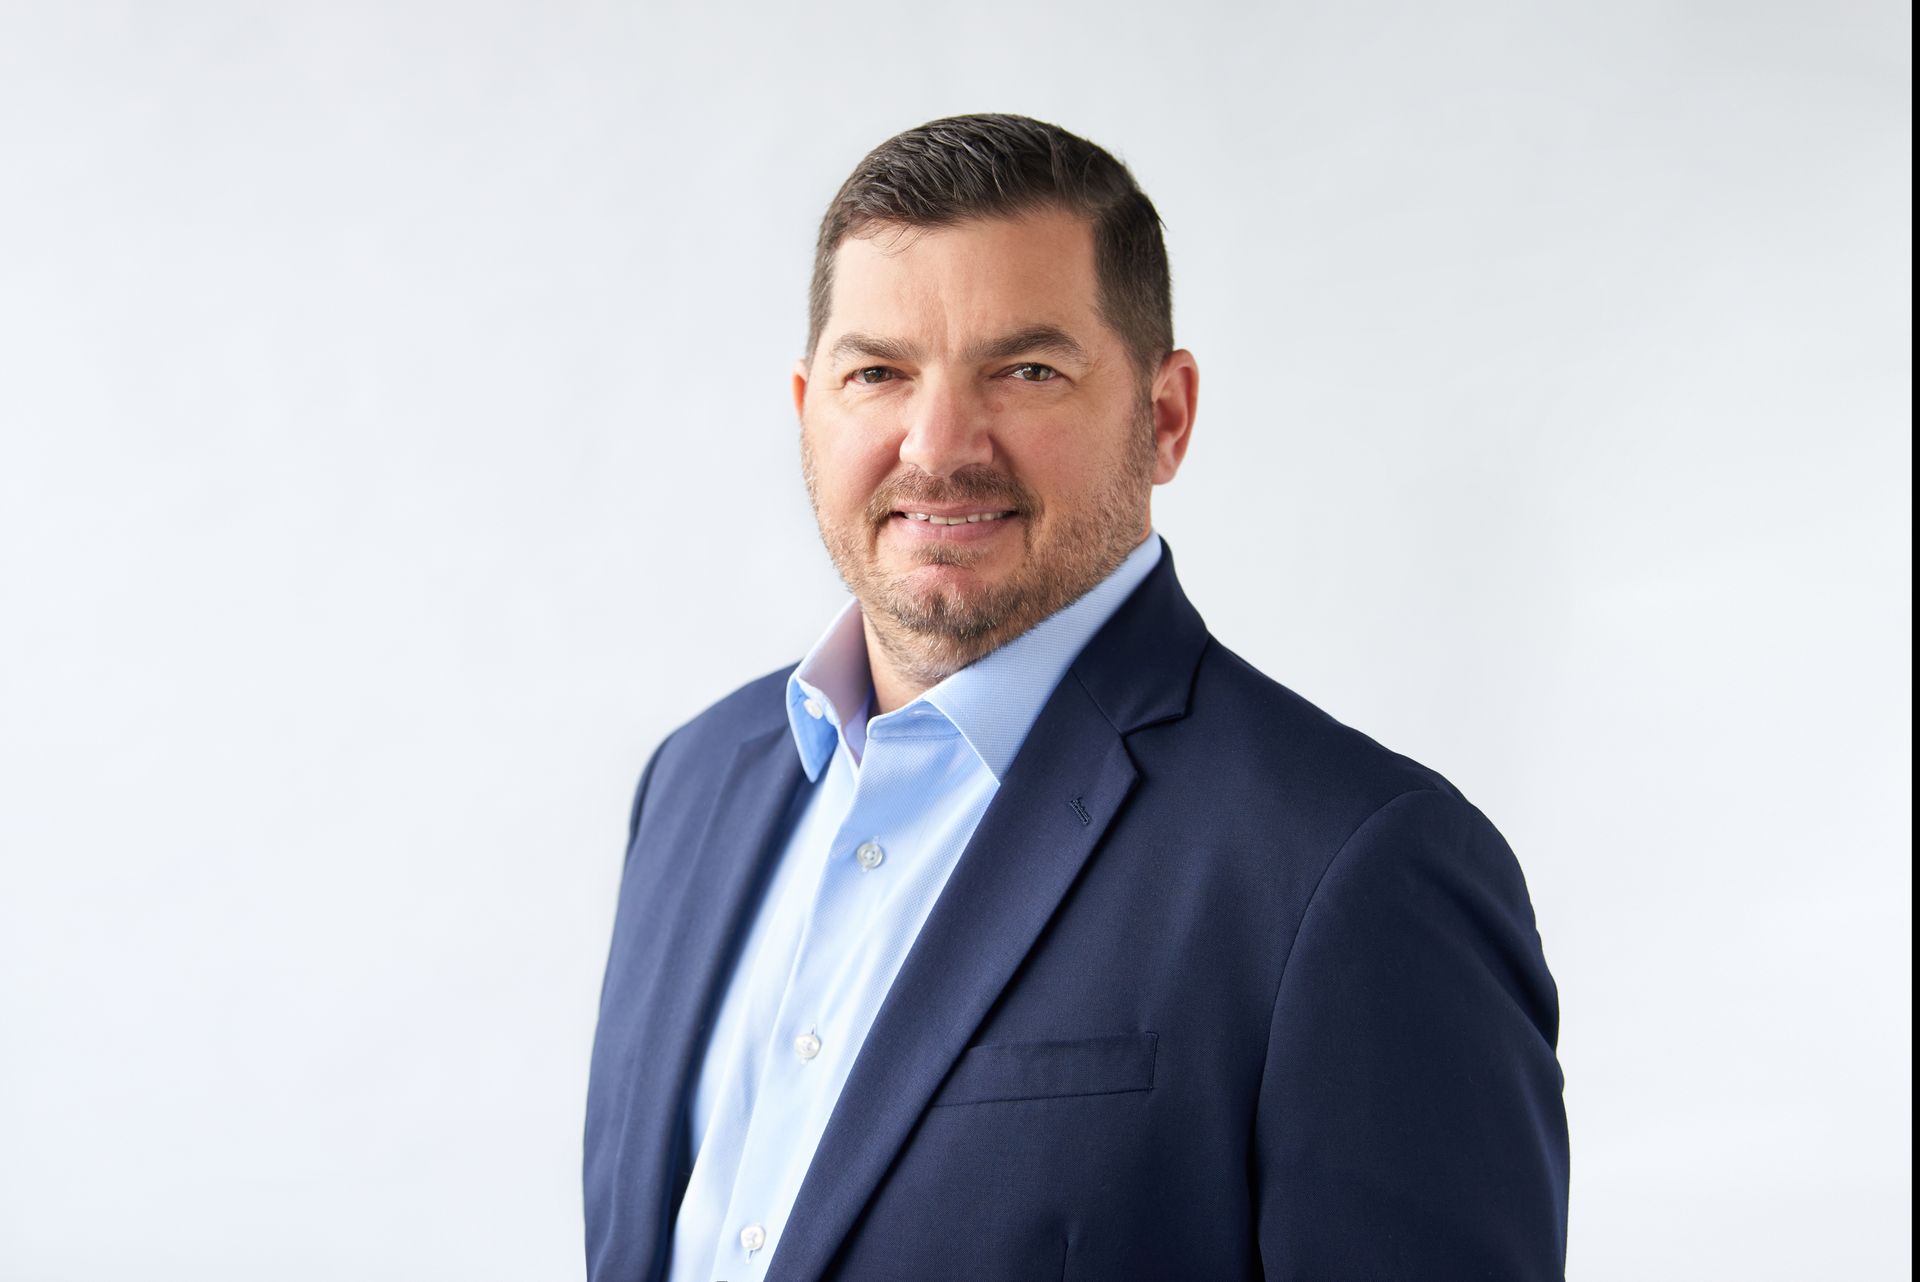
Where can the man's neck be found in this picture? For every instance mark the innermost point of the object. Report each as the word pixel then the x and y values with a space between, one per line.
pixel 897 681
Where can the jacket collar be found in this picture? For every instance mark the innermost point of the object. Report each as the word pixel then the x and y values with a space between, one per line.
pixel 1139 668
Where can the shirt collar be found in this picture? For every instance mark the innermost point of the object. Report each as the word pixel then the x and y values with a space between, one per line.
pixel 992 702
pixel 833 676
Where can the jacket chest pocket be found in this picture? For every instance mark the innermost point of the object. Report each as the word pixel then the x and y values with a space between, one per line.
pixel 1049 1070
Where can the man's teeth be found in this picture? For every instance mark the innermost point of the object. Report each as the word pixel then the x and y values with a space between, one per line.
pixel 955 520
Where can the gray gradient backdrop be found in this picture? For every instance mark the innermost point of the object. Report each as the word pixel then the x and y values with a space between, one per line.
pixel 396 445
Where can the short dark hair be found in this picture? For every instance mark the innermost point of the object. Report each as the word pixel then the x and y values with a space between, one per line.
pixel 997 166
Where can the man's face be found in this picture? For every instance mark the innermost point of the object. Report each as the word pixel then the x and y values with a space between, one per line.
pixel 978 447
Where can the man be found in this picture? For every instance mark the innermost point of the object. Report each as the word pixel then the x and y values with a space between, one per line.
pixel 1022 930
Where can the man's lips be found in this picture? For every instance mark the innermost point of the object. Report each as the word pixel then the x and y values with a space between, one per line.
pixel 949 515
pixel 951 524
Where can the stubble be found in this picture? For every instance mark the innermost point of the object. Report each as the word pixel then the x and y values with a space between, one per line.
pixel 930 632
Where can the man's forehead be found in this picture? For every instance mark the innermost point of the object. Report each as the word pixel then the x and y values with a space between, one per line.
pixel 977 280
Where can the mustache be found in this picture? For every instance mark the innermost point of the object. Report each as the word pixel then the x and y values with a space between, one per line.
pixel 974 484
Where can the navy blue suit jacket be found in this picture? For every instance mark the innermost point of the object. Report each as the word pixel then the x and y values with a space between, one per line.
pixel 1220 989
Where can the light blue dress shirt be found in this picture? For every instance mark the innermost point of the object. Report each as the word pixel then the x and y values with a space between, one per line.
pixel 895 800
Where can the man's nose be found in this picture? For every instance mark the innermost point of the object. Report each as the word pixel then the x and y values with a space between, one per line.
pixel 947 428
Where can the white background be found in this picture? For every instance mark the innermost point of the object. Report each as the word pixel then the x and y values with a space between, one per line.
pixel 397 445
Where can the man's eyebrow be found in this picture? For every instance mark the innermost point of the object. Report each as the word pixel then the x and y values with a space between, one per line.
pixel 1034 338
pixel 871 346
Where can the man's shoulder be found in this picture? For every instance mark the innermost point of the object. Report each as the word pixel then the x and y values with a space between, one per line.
pixel 1244 726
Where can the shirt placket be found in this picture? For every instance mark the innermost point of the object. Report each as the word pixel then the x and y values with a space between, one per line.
pixel 805 1062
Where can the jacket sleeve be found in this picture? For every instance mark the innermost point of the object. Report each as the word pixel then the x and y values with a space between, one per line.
pixel 1410 1122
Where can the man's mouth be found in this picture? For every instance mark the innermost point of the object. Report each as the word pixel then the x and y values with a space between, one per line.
pixel 967 518
pixel 917 527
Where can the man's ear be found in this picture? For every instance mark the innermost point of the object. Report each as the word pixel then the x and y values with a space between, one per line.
pixel 800 387
pixel 1176 397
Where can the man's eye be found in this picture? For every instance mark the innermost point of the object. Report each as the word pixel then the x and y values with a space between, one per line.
pixel 872 374
pixel 1035 373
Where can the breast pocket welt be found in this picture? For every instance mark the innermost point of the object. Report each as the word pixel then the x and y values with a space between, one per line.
pixel 999 1071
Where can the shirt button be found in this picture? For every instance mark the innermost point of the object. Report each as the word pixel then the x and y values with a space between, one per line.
pixel 806 1046
pixel 870 854
pixel 813 709
pixel 753 1237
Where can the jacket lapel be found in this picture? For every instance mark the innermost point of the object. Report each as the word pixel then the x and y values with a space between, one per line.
pixel 1066 784
pixel 733 860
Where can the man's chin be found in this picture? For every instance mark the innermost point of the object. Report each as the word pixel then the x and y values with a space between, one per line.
pixel 935 607
pixel 942 573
